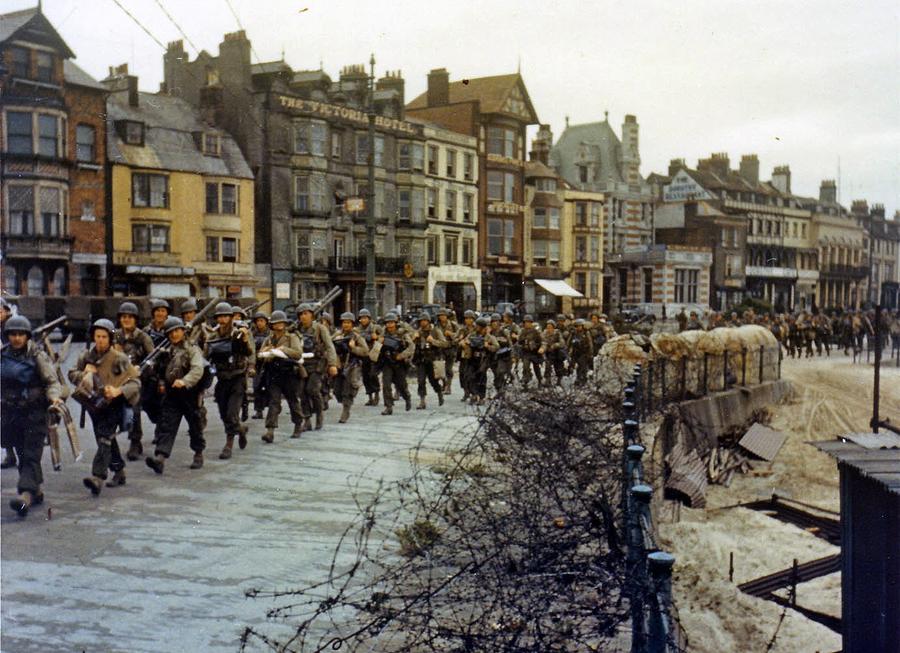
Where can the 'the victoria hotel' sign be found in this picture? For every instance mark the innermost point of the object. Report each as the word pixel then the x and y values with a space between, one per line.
pixel 323 110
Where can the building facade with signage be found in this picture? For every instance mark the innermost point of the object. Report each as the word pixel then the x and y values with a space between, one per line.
pixel 52 174
pixel 882 242
pixel 181 198
pixel 496 111
pixel 305 137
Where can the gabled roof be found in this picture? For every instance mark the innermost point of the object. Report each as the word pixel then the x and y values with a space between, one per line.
pixel 75 75
pixel 490 92
pixel 31 25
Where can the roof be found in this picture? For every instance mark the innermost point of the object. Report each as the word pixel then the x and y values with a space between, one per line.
pixel 75 75
pixel 32 25
pixel 169 138
pixel 594 143
pixel 267 67
pixel 539 169
pixel 762 441
pixel 873 455
pixel 490 92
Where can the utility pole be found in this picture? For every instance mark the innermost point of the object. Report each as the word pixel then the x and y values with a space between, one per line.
pixel 369 298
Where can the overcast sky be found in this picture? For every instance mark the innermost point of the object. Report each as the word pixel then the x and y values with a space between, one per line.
pixel 801 83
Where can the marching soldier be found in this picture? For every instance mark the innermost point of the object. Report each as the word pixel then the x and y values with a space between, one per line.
pixel 351 350
pixel 513 331
pixel 9 458
pixel 477 347
pixel 326 320
pixel 151 399
pixel 29 386
pixel 282 351
pixel 448 328
pixel 694 322
pixel 430 344
pixel 506 334
pixel 316 340
pixel 230 349
pixel 106 383
pixel 159 312
pixel 682 320
pixel 370 331
pixel 397 348
pixel 196 335
pixel 135 344
pixel 467 328
pixel 259 331
pixel 532 351
pixel 182 379
pixel 581 351
pixel 555 352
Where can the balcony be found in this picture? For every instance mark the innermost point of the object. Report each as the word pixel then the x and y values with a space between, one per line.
pixel 771 272
pixel 840 270
pixel 37 247
pixel 383 264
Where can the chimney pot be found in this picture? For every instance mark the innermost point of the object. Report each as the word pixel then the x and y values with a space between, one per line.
pixel 438 87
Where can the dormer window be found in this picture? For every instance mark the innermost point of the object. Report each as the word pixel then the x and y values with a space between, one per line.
pixel 20 62
pixel 45 67
pixel 132 132
pixel 211 144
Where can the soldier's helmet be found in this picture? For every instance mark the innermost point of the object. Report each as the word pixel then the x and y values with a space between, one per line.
pixel 348 316
pixel 470 314
pixel 104 324
pixel 579 322
pixel 509 312
pixel 495 317
pixel 187 306
pixel 365 312
pixel 424 316
pixel 224 308
pixel 390 317
pixel 278 317
pixel 483 321
pixel 304 307
pixel 239 312
pixel 172 323
pixel 159 303
pixel 528 318
pixel 260 314
pixel 551 323
pixel 127 308
pixel 327 317
pixel 441 311
pixel 560 317
pixel 17 324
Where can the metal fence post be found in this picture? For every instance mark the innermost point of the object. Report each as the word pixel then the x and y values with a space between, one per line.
pixel 725 370
pixel 661 628
pixel 637 556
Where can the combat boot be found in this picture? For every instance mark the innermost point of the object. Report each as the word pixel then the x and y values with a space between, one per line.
pixel 376 398
pixel 242 436
pixel 388 410
pixel 257 414
pixel 298 431
pixel 440 398
pixel 269 436
pixel 94 484
pixel 408 400
pixel 117 479
pixel 345 414
pixel 135 449
pixel 319 420
pixel 157 463
pixel 197 463
pixel 226 450
pixel 23 502
pixel 9 460
pixel 447 387
pixel 421 405
pixel 369 400
pixel 307 426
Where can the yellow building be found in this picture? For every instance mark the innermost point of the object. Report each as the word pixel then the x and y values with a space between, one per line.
pixel 182 199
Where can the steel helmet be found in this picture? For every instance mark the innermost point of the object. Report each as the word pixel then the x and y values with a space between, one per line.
pixel 551 323
pixel 348 316
pixel 159 303
pixel 17 324
pixel 470 314
pixel 483 321
pixel 260 314
pixel 224 308
pixel 326 316
pixel 579 322
pixel 239 311
pixel 128 308
pixel 442 311
pixel 104 324
pixel 390 317
pixel 278 317
pixel 172 323
pixel 302 308
pixel 528 318
pixel 187 306
pixel 561 317
pixel 365 312
pixel 424 316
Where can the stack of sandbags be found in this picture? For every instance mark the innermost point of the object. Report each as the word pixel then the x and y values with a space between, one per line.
pixel 614 366
pixel 623 348
pixel 670 346
pixel 755 337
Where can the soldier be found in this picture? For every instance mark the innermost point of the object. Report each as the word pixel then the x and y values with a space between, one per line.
pixel 259 331
pixel 196 335
pixel 506 336
pixel 326 320
pixel 316 340
pixel 106 383
pixel 182 378
pixel 477 347
pixel 351 350
pixel 370 331
pixel 282 351
pixel 29 386
pixel 231 350
pixel 682 319
pixel 430 345
pixel 512 330
pixel 397 348
pixel 694 322
pixel 555 352
pixel 581 350
pixel 448 328
pixel 9 458
pixel 159 312
pixel 151 399
pixel 467 328
pixel 135 344
pixel 532 351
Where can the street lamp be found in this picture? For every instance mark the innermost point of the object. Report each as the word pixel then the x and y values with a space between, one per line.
pixel 369 298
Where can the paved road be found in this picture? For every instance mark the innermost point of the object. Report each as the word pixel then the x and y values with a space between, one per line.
pixel 162 563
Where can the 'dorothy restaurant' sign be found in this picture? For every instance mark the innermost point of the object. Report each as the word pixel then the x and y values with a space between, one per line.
pixel 324 110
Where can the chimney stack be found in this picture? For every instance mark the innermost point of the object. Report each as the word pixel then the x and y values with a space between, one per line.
pixel 749 169
pixel 828 192
pixel 541 145
pixel 675 165
pixel 717 163
pixel 438 87
pixel 119 81
pixel 781 179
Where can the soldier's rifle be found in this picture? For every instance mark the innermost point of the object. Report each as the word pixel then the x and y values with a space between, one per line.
pixel 41 330
pixel 166 345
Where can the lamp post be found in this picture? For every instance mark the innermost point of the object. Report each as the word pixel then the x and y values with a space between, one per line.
pixel 369 298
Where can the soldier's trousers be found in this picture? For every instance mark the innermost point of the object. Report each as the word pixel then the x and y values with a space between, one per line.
pixel 347 384
pixel 394 374
pixel 582 365
pixel 531 366
pixel 25 428
pixel 555 364
pixel 425 375
pixel 502 370
pixel 229 394
pixel 286 385
pixel 370 376
pixel 260 402
pixel 476 373
pixel 175 405
pixel 312 401
pixel 449 360
pixel 108 456
pixel 150 402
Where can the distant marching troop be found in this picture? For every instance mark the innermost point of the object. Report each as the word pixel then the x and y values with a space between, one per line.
pixel 164 370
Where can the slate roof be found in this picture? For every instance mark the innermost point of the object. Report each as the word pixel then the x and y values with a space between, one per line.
pixel 75 75
pixel 169 142
pixel 490 92
pixel 268 67
pixel 33 21
pixel 603 147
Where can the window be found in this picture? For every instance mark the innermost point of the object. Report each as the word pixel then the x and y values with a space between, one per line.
pixel 418 205
pixel 432 159
pixel 467 251
pixel 623 285
pixel 301 193
pixel 230 250
pixel 45 67
pixel 724 237
pixel 48 135
pixel 596 207
pixel 595 249
pixel 212 248
pixel 583 174
pixel 18 132
pixel 545 185
pixel 404 156
pixel 468 166
pixel 451 163
pixel 21 210
pixel 580 249
pixel 310 193
pixel 336 145
pixel 686 285
pixel 51 216
pixel 20 62
pixel 553 251
pixel 735 237
pixel 310 137
pixel 418 157
pixel 149 238
pixel 303 250
pixel 149 190
pixel 803 230
pixel 581 282
pixel 539 252
pixel 432 250
pixel 540 218
pixel 229 199
pixel 553 218
pixel 404 197
pixel 432 201
pixel 468 204
pixel 595 284
pixel 581 214
pixel 451 205
pixel 501 141
pixel 134 133
pixel 500 237
pixel 450 250
pixel 362 149
pixel 211 144
pixel 212 198
pixel 495 185
pixel 84 143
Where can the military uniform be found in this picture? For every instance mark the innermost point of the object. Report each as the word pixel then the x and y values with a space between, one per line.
pixel 352 350
pixel 430 344
pixel 532 344
pixel 555 352
pixel 315 340
pixel 151 399
pixel 397 348
pixel 477 347
pixel 506 337
pixel 449 329
pixel 282 377
pixel 465 369
pixel 371 332
pixel 581 351
pixel 136 345
pixel 259 400
pixel 29 385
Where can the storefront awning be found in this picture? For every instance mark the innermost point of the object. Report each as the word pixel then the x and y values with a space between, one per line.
pixel 558 287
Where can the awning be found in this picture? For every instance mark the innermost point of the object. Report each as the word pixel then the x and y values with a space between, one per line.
pixel 558 287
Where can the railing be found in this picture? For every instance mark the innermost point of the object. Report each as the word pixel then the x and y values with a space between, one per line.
pixel 383 264
pixel 838 269
pixel 38 246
